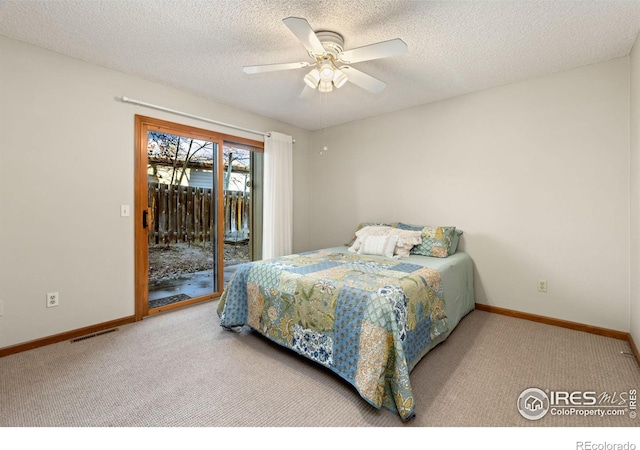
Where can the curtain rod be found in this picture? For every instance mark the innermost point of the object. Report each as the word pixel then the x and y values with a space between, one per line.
pixel 204 119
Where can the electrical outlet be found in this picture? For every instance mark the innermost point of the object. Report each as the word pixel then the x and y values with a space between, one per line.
pixel 542 285
pixel 53 299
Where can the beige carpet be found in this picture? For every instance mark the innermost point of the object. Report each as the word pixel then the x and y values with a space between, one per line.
pixel 180 369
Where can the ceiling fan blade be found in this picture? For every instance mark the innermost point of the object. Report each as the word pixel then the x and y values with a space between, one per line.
pixel 274 67
pixel 394 47
pixel 303 31
pixel 366 82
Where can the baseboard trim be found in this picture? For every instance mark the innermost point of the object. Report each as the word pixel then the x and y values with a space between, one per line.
pixel 6 351
pixel 557 322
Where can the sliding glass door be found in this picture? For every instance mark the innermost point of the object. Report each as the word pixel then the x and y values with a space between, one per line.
pixel 242 188
pixel 182 219
pixel 194 211
pixel 179 243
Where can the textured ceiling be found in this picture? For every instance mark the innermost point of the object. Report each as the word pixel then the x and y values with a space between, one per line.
pixel 454 47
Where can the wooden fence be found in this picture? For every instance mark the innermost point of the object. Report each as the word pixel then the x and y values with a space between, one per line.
pixel 237 207
pixel 187 214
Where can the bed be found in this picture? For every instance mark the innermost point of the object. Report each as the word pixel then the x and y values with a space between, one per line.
pixel 370 318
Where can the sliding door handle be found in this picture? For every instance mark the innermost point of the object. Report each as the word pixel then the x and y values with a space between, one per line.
pixel 145 219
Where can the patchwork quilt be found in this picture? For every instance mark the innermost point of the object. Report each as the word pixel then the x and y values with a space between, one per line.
pixel 367 318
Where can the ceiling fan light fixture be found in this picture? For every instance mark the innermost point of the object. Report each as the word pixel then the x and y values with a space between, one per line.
pixel 326 72
pixel 325 86
pixel 312 78
pixel 339 79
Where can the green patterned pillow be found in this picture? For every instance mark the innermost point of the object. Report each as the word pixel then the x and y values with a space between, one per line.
pixel 454 241
pixel 436 241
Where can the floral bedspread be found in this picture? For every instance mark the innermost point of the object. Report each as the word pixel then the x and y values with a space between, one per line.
pixel 365 317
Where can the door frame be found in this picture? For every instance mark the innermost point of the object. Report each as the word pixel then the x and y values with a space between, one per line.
pixel 144 124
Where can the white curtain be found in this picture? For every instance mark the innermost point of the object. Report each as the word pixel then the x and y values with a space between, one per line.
pixel 278 196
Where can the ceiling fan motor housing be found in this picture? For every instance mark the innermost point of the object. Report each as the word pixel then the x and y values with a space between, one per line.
pixel 332 42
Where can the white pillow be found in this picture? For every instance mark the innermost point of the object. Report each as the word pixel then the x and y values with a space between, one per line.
pixel 375 230
pixel 407 239
pixel 370 230
pixel 356 245
pixel 378 245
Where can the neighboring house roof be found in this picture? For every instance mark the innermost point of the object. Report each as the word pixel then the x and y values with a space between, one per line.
pixel 236 165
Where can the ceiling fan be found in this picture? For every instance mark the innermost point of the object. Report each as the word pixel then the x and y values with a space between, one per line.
pixel 331 66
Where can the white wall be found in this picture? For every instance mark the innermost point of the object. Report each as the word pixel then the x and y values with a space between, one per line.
pixel 535 173
pixel 66 166
pixel 635 193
